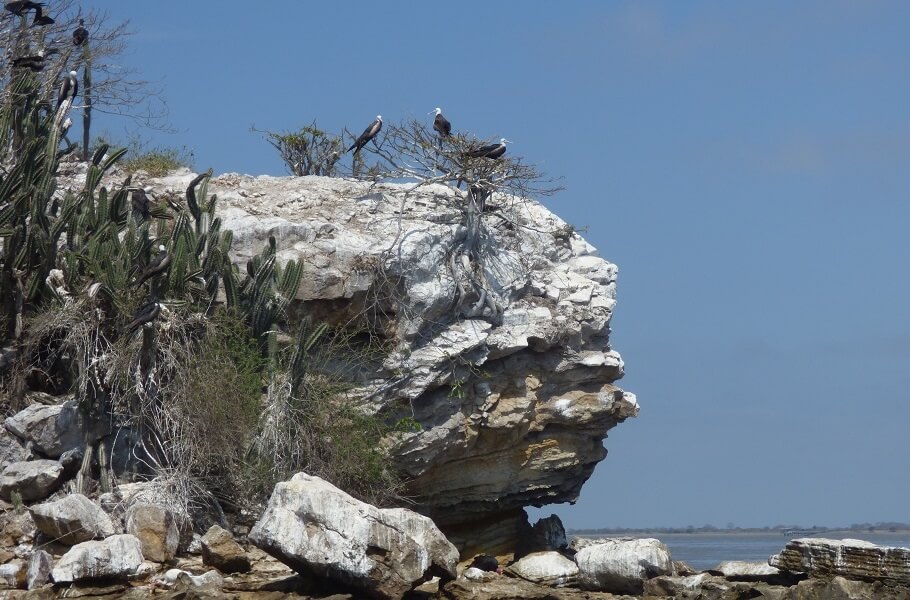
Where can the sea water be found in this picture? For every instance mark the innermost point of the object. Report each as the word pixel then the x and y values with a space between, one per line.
pixel 705 550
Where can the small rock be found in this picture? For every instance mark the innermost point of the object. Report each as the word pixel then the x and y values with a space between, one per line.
pixel 220 550
pixel 39 569
pixel 549 534
pixel 33 480
pixel 72 519
pixel 475 574
pixel 156 528
pixel 115 557
pixel 209 578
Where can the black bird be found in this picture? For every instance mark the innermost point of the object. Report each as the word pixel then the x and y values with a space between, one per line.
pixel 20 7
pixel 80 35
pixel 41 19
pixel 35 63
pixel 485 562
pixel 157 266
pixel 68 89
pixel 140 203
pixel 441 124
pixel 489 151
pixel 146 313
pixel 368 134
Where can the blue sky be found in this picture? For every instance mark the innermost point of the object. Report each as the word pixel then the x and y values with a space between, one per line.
pixel 747 166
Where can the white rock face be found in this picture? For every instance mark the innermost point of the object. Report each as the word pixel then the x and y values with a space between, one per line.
pixel 115 557
pixel 53 429
pixel 513 407
pixel 853 559
pixel 746 570
pixel 314 527
pixel 620 566
pixel 72 519
pixel 32 480
pixel 209 578
pixel 546 568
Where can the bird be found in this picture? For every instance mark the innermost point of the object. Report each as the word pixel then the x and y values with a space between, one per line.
pixel 68 89
pixel 490 150
pixel 156 266
pixel 146 313
pixel 368 134
pixel 35 63
pixel 80 35
pixel 140 204
pixel 20 7
pixel 41 19
pixel 441 124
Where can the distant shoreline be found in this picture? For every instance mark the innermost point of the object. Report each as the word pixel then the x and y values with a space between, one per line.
pixel 784 531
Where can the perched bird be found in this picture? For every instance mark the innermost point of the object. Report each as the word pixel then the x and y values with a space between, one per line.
pixel 140 204
pixel 490 150
pixel 485 562
pixel 41 19
pixel 441 124
pixel 80 35
pixel 68 89
pixel 146 313
pixel 20 7
pixel 35 63
pixel 156 266
pixel 368 134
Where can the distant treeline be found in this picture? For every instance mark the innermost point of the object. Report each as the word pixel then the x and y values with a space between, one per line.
pixel 730 528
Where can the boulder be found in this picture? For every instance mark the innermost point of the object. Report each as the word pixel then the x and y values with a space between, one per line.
pixel 314 527
pixel 508 588
pixel 14 574
pixel 676 585
pixel 72 519
pixel 52 429
pixel 741 570
pixel 156 528
pixel 33 480
pixel 548 534
pixel 12 449
pixel 841 588
pixel 220 550
pixel 621 566
pixel 40 564
pixel 210 578
pixel 115 557
pixel 853 559
pixel 545 568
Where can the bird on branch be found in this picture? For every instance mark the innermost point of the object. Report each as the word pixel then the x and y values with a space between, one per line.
pixel 368 134
pixel 20 7
pixel 146 313
pixel 41 19
pixel 489 151
pixel 80 35
pixel 68 89
pixel 156 266
pixel 441 124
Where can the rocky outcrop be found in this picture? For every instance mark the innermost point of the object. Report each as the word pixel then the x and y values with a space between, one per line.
pixel 853 559
pixel 32 480
pixel 115 557
pixel 316 528
pixel 220 550
pixel 621 566
pixel 72 519
pixel 514 406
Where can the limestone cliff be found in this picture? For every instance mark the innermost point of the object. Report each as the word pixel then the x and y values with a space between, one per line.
pixel 513 406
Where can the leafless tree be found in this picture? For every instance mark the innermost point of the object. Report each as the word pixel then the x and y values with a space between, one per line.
pixel 107 85
pixel 480 187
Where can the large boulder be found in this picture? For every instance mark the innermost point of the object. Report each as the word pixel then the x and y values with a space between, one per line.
pixel 115 557
pixel 314 527
pixel 40 564
pixel 220 550
pixel 621 566
pixel 32 480
pixel 545 568
pixel 548 534
pixel 52 429
pixel 156 528
pixel 72 519
pixel 853 559
pixel 840 588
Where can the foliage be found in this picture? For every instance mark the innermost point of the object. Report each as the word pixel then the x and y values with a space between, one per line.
pixel 155 161
pixel 310 151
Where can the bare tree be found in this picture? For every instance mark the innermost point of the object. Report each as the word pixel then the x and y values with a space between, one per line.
pixel 108 86
pixel 480 187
